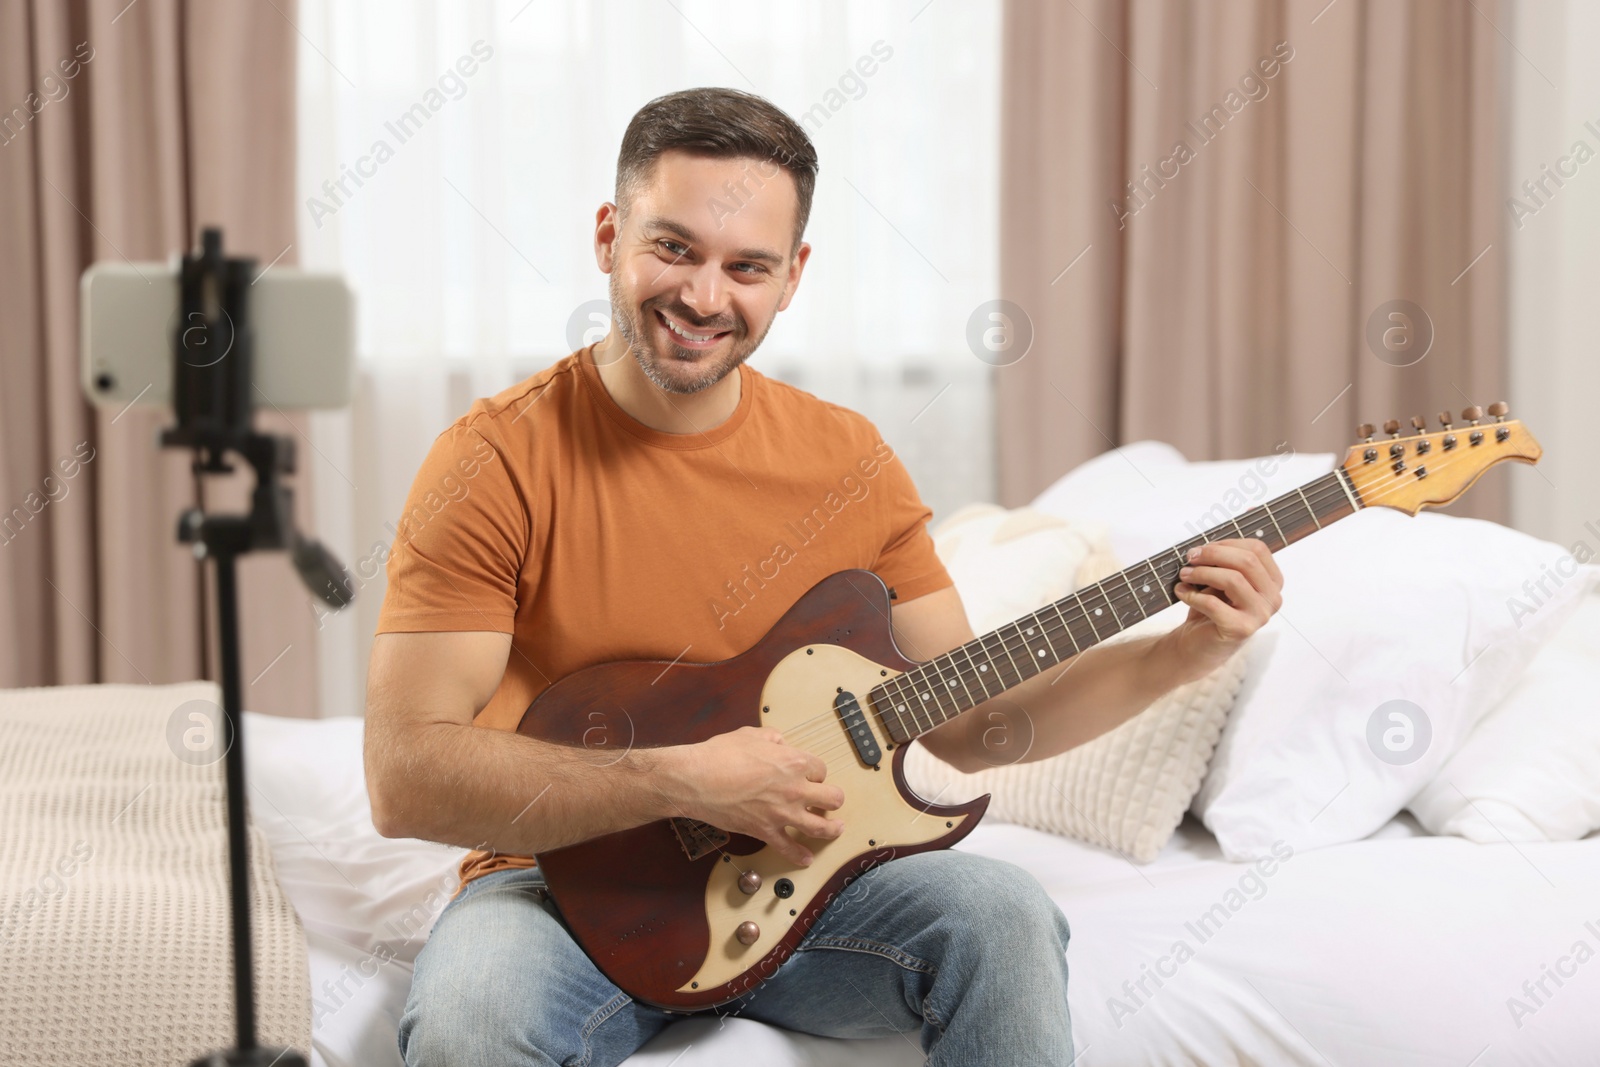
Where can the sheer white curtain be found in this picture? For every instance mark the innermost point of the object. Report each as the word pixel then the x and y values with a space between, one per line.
pixel 1552 247
pixel 452 158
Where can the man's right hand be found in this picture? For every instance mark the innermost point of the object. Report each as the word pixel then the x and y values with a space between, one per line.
pixel 751 781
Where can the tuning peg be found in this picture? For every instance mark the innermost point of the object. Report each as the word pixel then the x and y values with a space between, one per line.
pixel 1392 427
pixel 1472 414
pixel 1365 431
pixel 1499 410
pixel 1419 424
pixel 1444 419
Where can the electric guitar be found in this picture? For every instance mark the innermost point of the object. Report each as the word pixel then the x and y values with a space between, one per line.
pixel 684 916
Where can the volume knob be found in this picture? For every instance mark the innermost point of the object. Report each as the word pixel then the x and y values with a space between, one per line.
pixel 749 882
pixel 747 932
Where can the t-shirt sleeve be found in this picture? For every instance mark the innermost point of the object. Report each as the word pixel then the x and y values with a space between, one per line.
pixel 907 563
pixel 460 543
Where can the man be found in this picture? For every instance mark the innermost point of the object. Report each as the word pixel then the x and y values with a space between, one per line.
pixel 653 497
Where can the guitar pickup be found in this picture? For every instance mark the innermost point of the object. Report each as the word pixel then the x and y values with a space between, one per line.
pixel 855 724
pixel 698 838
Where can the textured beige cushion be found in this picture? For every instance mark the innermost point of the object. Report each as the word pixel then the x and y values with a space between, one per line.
pixel 1126 790
pixel 114 929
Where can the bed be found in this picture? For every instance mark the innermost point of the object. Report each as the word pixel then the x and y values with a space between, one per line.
pixel 1400 948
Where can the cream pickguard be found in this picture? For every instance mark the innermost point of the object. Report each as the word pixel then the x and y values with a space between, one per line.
pixel 799 691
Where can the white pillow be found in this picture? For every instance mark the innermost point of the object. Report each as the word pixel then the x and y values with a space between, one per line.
pixel 1378 607
pixel 308 793
pixel 1147 496
pixel 1531 770
pixel 1126 790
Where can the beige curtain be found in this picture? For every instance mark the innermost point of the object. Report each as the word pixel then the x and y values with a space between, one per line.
pixel 126 127
pixel 1222 302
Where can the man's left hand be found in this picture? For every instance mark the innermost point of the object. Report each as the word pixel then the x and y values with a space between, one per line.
pixel 1243 588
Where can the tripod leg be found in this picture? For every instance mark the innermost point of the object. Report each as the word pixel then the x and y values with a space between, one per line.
pixel 238 841
pixel 247 1053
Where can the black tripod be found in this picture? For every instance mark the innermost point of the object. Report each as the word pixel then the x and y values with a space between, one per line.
pixel 213 357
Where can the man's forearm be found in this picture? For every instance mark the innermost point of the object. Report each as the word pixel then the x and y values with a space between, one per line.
pixel 1076 701
pixel 491 789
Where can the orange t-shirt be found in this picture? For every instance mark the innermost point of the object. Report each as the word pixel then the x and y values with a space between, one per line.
pixel 549 513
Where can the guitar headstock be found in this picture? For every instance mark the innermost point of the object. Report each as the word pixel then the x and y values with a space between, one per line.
pixel 1421 469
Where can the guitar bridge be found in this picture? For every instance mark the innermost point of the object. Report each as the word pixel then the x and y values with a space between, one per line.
pixel 698 838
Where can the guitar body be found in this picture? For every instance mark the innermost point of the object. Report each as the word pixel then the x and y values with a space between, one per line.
pixel 663 924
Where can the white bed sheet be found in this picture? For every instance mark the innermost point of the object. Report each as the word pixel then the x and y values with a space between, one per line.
pixel 1401 948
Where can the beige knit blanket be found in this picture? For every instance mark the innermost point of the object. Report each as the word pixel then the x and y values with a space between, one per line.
pixel 114 928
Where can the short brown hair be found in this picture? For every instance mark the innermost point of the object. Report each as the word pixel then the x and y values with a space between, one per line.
pixel 723 124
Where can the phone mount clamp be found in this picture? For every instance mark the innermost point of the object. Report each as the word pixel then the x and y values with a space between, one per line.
pixel 213 380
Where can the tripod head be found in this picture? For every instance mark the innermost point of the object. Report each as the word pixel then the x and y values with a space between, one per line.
pixel 213 398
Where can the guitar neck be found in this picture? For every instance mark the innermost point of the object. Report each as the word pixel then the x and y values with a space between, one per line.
pixel 927 696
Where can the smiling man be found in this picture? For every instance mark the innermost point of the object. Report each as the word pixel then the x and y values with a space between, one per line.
pixel 651 496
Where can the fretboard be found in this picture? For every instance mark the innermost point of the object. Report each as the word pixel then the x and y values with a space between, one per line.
pixel 931 694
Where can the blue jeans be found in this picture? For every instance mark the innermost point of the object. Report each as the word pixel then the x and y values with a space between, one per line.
pixel 965 950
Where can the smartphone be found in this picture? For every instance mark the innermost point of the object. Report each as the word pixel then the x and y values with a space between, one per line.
pixel 303 323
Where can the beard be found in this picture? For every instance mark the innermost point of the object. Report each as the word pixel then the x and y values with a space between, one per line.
pixel 671 367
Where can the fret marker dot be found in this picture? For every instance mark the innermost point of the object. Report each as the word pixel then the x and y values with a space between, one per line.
pixel 1260 532
pixel 902 707
pixel 1146 589
pixel 983 666
pixel 924 696
pixel 952 683
pixel 1041 652
pixel 1029 631
pixel 1097 611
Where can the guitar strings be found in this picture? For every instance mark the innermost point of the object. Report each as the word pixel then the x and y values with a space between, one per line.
pixel 1121 603
pixel 823 726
